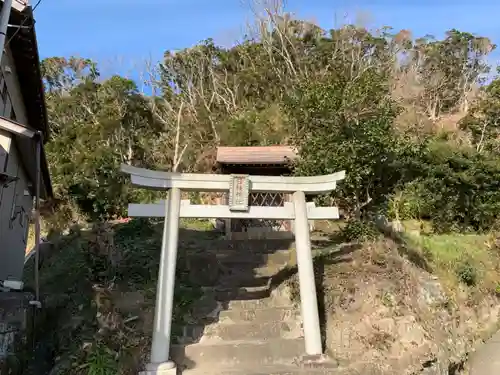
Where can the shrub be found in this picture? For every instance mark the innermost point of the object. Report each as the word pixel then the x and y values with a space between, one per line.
pixel 357 230
pixel 467 273
pixel 457 188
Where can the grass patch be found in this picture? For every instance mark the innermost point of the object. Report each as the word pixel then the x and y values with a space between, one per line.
pixel 469 259
pixel 100 360
pixel 197 224
pixel 448 249
pixel 419 226
pixel 459 258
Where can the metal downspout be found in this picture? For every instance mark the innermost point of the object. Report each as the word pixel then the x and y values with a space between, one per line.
pixel 38 140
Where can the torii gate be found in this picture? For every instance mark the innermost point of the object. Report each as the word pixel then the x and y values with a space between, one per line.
pixel 239 187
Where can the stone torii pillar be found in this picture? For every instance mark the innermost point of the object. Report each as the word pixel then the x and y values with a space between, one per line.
pixel 239 187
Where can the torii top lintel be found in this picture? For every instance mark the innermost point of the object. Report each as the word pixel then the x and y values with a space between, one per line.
pixel 158 180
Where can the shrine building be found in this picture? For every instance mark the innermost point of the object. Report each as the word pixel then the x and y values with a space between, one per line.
pixel 263 161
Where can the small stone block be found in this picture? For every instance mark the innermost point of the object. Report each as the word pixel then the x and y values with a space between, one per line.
pixel 321 361
pixel 167 368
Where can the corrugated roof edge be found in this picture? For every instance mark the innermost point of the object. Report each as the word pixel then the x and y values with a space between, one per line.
pixel 279 154
pixel 24 48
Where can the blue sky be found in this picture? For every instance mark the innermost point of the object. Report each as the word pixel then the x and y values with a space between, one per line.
pixel 124 33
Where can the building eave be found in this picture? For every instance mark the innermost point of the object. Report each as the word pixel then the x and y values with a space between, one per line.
pixel 20 5
pixel 16 128
pixel 24 47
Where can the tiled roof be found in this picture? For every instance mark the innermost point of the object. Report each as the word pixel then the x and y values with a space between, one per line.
pixel 256 155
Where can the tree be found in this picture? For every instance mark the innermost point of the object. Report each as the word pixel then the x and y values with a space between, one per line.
pixel 96 126
pixel 483 120
pixel 348 126
pixel 61 74
pixel 335 94
pixel 450 69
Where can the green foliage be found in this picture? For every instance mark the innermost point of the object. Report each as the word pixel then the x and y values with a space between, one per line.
pixel 61 73
pixel 331 93
pixel 100 361
pixel 483 119
pixel 69 323
pixel 410 202
pixel 347 126
pixel 95 127
pixel 467 273
pixel 457 188
pixel 255 128
pixel 450 67
pixel 356 230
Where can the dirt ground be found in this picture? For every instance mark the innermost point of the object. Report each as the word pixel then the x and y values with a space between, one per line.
pixel 384 314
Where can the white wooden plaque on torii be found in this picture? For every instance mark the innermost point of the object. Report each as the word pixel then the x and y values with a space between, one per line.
pixel 239 190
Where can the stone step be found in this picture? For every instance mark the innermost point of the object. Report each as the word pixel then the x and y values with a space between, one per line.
pixel 250 293
pixel 238 353
pixel 216 302
pixel 272 314
pixel 281 254
pixel 217 299
pixel 209 271
pixel 238 277
pixel 243 280
pixel 239 288
pixel 208 310
pixel 238 259
pixel 265 370
pixel 241 277
pixel 248 331
pixel 274 299
pixel 247 246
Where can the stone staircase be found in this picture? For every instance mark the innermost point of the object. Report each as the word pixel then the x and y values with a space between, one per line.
pixel 246 322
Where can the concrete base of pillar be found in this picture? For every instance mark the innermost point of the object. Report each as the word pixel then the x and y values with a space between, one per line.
pixel 166 368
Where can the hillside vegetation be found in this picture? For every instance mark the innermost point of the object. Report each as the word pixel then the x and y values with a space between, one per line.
pixel 414 121
pixel 411 120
